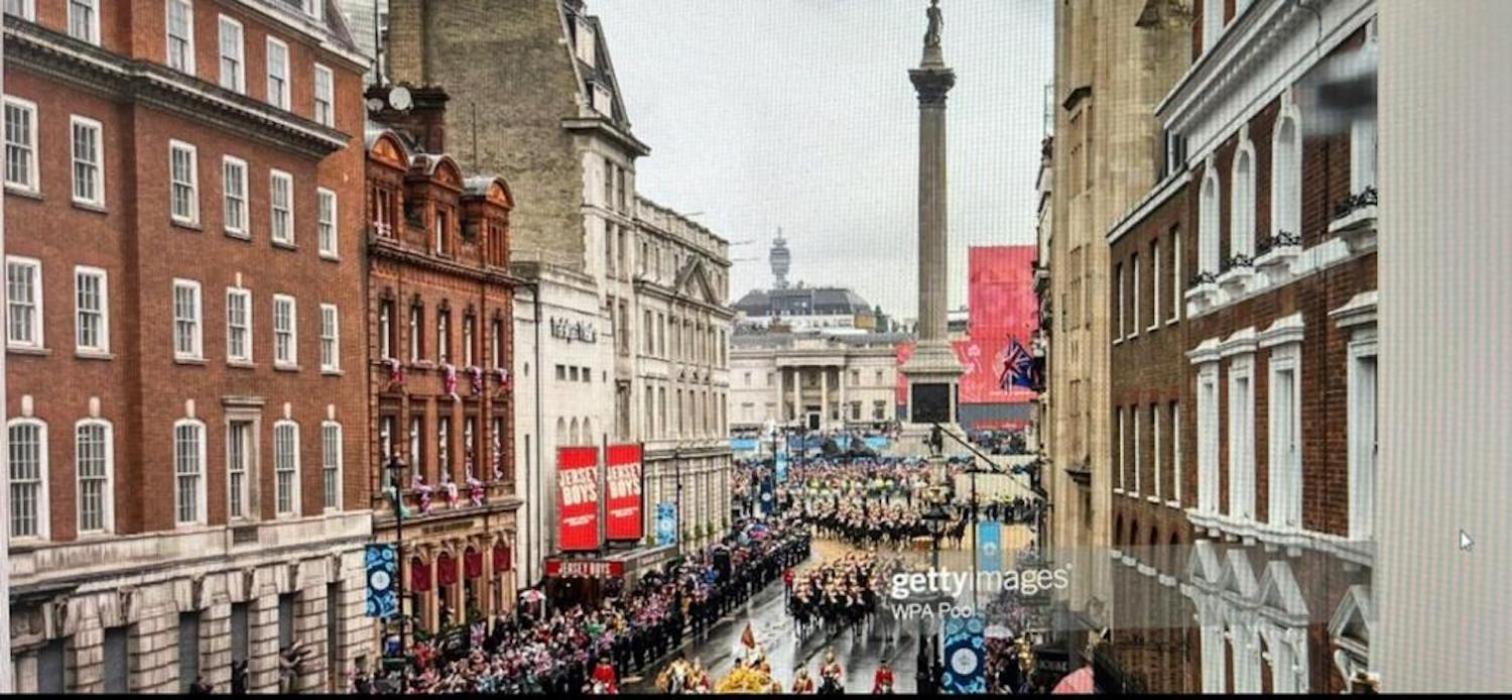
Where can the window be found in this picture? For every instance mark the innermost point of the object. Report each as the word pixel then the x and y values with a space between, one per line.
pixel 91 310
pixel 1207 233
pixel 23 287
pixel 1362 154
pixel 88 163
pixel 184 175
pixel 239 449
pixel 1155 450
pixel 443 444
pixel 1207 439
pixel 608 182
pixel 1242 214
pixel 443 335
pixel 238 325
pixel 27 463
pixel 1176 280
pixel 416 326
pixel 1286 172
pixel 286 466
pixel 20 144
pixel 234 177
pixel 1362 439
pixel 1118 300
pixel 469 335
pixel 189 471
pixel 1120 436
pixel 330 339
pixel 25 9
pixel 496 348
pixel 1241 451
pixel 1176 453
pixel 1285 426
pixel 181 36
pixel 417 443
pixel 443 227
pixel 325 222
pixel 1212 23
pixel 188 340
pixel 233 63
pixel 1134 293
pixel 278 73
pixel 330 463
pixel 93 460
pixel 325 96
pixel 285 331
pixel 1155 280
pixel 84 20
pixel 386 329
pixel 281 196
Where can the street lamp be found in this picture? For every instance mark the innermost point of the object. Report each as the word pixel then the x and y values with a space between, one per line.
pixel 395 469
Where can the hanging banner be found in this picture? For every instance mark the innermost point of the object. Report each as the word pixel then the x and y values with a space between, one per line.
pixel 577 499
pixel 768 496
pixel 965 655
pixel 382 577
pixel 666 523
pixel 990 544
pixel 782 468
pixel 625 521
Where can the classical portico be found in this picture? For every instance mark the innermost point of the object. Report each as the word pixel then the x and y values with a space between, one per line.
pixel 812 391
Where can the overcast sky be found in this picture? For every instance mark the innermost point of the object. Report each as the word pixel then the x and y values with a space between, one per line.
pixel 799 114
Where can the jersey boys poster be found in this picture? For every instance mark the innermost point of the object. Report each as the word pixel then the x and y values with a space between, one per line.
pixel 577 499
pixel 623 481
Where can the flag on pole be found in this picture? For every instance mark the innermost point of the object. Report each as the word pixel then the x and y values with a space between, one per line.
pixel 1018 366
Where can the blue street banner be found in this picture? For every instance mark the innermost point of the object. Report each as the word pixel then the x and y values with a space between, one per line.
pixel 990 545
pixel 782 468
pixel 666 522
pixel 768 496
pixel 744 444
pixel 382 577
pixel 965 655
pixel 877 442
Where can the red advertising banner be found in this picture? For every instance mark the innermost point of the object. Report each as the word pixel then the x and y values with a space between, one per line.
pixel 584 568
pixel 626 523
pixel 577 499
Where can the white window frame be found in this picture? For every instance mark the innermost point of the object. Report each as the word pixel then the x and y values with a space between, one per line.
pixel 326 219
pixel 1284 438
pixel 1118 299
pixel 188 67
pixel 107 487
pixel 102 347
pixel 330 337
pixel 1176 453
pixel 280 98
pixel 331 469
pixel 1134 294
pixel 385 329
pixel 37 326
pixel 93 27
pixel 33 182
pixel 1209 222
pixel 42 530
pixel 1138 461
pixel 75 123
pixel 236 80
pixel 1177 284
pixel 200 476
pixel 328 100
pixel 279 472
pixel 1123 456
pixel 1213 24
pixel 1241 438
pixel 1364 465
pixel 1286 170
pixel 1364 168
pixel 245 296
pixel 174 147
pixel 292 360
pixel 242 228
pixel 28 10
pixel 198 337
pixel 1207 438
pixel 1155 279
pixel 1155 411
pixel 248 470
pixel 1242 206
pixel 280 181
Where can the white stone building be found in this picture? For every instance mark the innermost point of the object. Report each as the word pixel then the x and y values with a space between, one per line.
pixel 817 380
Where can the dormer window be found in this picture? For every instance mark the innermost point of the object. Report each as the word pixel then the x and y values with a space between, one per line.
pixel 603 102
pixel 443 231
pixel 587 42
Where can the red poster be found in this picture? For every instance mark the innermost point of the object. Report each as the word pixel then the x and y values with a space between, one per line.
pixel 625 522
pixel 577 499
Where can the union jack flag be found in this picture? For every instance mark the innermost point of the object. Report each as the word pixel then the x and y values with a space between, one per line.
pixel 1017 367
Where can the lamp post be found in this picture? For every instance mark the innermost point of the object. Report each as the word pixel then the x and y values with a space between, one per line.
pixel 395 469
pixel 677 464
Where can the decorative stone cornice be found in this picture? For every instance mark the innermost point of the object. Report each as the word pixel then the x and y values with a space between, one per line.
pixel 37 49
pixel 932 84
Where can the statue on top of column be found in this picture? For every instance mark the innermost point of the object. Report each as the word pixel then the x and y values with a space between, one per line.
pixel 936 23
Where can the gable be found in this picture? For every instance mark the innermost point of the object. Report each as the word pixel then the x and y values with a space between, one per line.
pixel 1280 593
pixel 694 282
pixel 1203 567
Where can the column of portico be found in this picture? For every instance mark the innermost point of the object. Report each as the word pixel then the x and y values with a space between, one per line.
pixel 844 407
pixel 824 412
pixel 797 396
pixel 781 375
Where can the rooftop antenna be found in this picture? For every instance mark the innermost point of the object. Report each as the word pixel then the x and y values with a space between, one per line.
pixel 377 45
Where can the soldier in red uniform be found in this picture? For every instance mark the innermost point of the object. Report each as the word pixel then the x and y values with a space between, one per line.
pixel 882 682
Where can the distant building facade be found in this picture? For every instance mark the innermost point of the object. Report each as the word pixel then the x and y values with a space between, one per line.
pixel 814 380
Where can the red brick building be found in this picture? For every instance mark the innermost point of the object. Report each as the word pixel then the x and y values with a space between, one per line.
pixel 1255 408
pixel 440 343
pixel 186 413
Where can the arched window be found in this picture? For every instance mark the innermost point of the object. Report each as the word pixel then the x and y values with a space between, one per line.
pixel 189 471
pixel 1207 234
pixel 588 431
pixel 1286 174
pixel 561 431
pixel 94 462
pixel 575 434
pixel 27 464
pixel 1242 213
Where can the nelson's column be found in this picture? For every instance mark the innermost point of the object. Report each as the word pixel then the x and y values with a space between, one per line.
pixel 933 371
